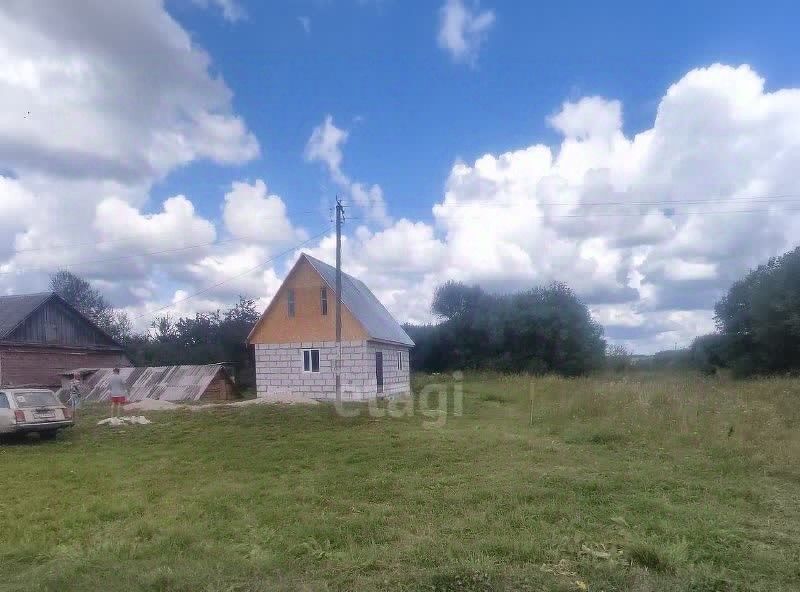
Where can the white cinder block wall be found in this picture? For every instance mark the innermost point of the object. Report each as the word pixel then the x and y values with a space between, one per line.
pixel 279 370
pixel 395 382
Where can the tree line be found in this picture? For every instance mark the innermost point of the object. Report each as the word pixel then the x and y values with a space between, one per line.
pixel 542 330
pixel 758 323
pixel 217 336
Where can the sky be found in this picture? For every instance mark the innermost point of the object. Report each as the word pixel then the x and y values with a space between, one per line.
pixel 179 154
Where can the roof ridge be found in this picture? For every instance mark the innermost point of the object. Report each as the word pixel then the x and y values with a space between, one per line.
pixel 15 308
pixel 20 310
pixel 362 303
pixel 28 294
pixel 344 273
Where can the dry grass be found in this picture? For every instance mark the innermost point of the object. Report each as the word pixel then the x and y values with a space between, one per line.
pixel 645 483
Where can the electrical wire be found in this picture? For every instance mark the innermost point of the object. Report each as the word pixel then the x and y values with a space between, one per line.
pixel 669 214
pixel 123 239
pixel 125 257
pixel 666 203
pixel 153 313
pixel 676 203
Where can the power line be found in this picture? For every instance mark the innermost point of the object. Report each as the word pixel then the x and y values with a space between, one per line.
pixel 721 200
pixel 124 239
pixel 134 256
pixel 665 203
pixel 643 214
pixel 668 214
pixel 231 278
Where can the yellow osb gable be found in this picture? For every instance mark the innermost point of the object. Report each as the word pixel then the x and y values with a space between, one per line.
pixel 308 324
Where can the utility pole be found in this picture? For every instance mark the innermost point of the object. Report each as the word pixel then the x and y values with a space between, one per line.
pixel 339 220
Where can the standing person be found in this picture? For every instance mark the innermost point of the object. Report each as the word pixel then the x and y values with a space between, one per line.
pixel 74 400
pixel 118 390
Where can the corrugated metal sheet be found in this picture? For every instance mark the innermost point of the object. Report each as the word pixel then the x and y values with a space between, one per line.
pixel 362 303
pixel 165 383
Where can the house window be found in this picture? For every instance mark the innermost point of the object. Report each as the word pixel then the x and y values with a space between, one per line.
pixel 310 360
pixel 323 300
pixel 290 300
pixel 399 360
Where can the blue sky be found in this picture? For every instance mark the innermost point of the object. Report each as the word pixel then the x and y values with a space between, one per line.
pixel 171 151
pixel 376 67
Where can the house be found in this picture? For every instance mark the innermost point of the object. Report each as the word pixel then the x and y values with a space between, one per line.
pixel 295 339
pixel 177 384
pixel 42 335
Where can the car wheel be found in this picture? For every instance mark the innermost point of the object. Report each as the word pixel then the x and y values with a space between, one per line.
pixel 49 435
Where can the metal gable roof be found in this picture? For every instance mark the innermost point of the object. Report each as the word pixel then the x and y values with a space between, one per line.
pixel 15 309
pixel 362 303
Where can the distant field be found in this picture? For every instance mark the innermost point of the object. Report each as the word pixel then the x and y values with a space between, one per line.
pixel 643 483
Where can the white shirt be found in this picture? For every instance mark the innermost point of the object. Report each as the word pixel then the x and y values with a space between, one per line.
pixel 116 385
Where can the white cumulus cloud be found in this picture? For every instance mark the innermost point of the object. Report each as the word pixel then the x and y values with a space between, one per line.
pixel 250 212
pixel 463 29
pixel 325 146
pixel 99 101
pixel 649 228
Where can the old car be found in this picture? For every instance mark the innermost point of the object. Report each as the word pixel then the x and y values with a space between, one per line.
pixel 32 410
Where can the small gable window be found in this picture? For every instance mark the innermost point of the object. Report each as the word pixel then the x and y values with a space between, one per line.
pixel 323 300
pixel 290 301
pixel 310 360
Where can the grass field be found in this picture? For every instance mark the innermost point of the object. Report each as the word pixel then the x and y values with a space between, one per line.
pixel 619 483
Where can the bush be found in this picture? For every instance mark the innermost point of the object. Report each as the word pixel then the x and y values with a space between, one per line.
pixel 539 331
pixel 758 322
pixel 618 358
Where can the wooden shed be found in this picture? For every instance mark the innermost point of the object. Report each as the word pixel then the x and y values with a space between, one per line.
pixel 42 336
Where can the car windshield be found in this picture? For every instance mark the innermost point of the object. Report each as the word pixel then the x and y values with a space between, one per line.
pixel 35 399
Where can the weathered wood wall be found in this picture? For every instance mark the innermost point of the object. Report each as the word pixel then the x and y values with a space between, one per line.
pixel 220 389
pixel 42 366
pixel 55 324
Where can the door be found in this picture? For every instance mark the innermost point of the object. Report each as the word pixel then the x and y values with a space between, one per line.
pixel 379 370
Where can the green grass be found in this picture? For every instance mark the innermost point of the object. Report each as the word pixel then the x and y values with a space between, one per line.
pixel 643 483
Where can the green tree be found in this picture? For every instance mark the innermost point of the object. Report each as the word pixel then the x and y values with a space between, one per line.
pixel 618 358
pixel 708 353
pixel 759 318
pixel 206 338
pixel 456 300
pixel 88 300
pixel 541 330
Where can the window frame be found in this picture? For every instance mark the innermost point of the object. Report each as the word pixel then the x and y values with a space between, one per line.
pixel 323 300
pixel 310 359
pixel 291 303
pixel 400 359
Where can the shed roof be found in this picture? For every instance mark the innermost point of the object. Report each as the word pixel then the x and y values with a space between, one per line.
pixel 15 309
pixel 165 383
pixel 362 303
